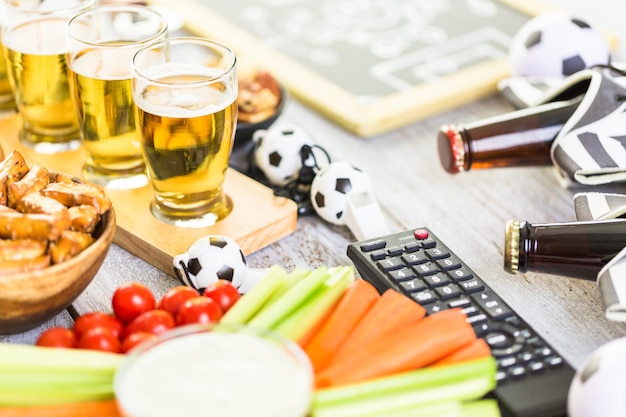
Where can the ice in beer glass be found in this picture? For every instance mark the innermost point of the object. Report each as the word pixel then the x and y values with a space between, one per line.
pixel 33 33
pixel 185 91
pixel 101 42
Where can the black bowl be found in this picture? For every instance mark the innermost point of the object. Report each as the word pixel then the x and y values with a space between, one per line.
pixel 245 131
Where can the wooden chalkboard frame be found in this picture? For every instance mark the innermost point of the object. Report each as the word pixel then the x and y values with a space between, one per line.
pixel 363 119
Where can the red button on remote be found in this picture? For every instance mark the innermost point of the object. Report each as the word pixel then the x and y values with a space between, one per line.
pixel 420 234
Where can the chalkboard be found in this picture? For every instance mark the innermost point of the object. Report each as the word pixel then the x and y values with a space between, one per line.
pixel 370 65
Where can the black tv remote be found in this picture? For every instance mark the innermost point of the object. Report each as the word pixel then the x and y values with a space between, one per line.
pixel 532 379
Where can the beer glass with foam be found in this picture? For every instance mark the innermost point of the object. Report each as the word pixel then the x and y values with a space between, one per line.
pixel 101 42
pixel 185 91
pixel 33 34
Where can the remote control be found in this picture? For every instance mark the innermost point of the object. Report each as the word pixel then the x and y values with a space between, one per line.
pixel 532 379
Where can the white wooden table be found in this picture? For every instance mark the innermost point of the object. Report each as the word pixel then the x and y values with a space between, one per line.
pixel 468 211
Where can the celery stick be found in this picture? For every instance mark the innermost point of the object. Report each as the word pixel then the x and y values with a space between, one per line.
pixel 299 323
pixel 438 409
pixel 414 380
pixel 22 396
pixel 462 390
pixel 481 408
pixel 28 358
pixel 15 378
pixel 291 300
pixel 290 280
pixel 253 300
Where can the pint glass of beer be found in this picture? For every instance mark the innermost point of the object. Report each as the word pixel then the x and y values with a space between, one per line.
pixel 33 33
pixel 101 42
pixel 185 91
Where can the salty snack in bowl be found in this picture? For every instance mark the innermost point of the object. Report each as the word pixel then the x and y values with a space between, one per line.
pixel 260 102
pixel 54 235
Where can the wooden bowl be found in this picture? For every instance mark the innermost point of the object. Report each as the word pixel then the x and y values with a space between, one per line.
pixel 29 299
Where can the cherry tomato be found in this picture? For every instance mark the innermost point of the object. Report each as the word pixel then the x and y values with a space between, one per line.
pixel 100 338
pixel 57 337
pixel 97 319
pixel 131 300
pixel 224 293
pixel 175 297
pixel 135 339
pixel 199 310
pixel 153 321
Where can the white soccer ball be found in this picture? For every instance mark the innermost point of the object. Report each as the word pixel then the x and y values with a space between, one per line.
pixel 211 258
pixel 599 386
pixel 280 152
pixel 331 187
pixel 556 44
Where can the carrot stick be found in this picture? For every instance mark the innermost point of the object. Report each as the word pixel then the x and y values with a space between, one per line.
pixel 412 347
pixel 350 309
pixel 478 349
pixel 103 408
pixel 391 312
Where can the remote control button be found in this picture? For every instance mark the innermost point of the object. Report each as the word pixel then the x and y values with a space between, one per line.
pixel 413 285
pixel 446 264
pixel 492 305
pixel 429 243
pixel 471 286
pixel 420 234
pixel 390 264
pixel 414 258
pixel 437 280
pixel 424 297
pixel 460 302
pixel 425 269
pixel 460 274
pixel 402 274
pixel 437 253
pixel 370 246
pixel 395 251
pixel 378 254
pixel 447 292
pixel 434 307
pixel 412 247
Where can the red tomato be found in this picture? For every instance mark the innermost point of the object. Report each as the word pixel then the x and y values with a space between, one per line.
pixel 135 339
pixel 57 337
pixel 224 293
pixel 131 300
pixel 97 319
pixel 199 310
pixel 100 338
pixel 175 297
pixel 153 321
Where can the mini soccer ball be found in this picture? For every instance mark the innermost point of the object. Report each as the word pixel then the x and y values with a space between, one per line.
pixel 281 151
pixel 556 45
pixel 211 258
pixel 332 185
pixel 599 386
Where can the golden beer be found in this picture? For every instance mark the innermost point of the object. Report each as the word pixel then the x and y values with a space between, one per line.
pixel 187 148
pixel 37 67
pixel 106 114
pixel 7 103
pixel 101 42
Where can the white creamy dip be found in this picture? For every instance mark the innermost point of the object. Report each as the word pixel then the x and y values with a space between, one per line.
pixel 215 374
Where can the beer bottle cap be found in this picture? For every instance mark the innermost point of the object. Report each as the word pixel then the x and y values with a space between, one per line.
pixel 451 149
pixel 511 246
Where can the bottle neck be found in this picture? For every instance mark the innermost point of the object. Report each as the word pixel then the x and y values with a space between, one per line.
pixel 518 138
pixel 574 249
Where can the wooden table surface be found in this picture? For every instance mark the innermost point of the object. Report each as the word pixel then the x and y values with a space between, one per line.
pixel 467 211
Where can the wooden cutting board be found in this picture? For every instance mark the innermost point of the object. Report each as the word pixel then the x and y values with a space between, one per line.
pixel 258 219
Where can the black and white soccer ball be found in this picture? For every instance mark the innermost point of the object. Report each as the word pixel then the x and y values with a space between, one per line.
pixel 331 187
pixel 556 45
pixel 280 152
pixel 209 259
pixel 599 385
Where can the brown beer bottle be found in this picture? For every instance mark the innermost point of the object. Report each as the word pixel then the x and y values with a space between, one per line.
pixel 518 138
pixel 575 249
